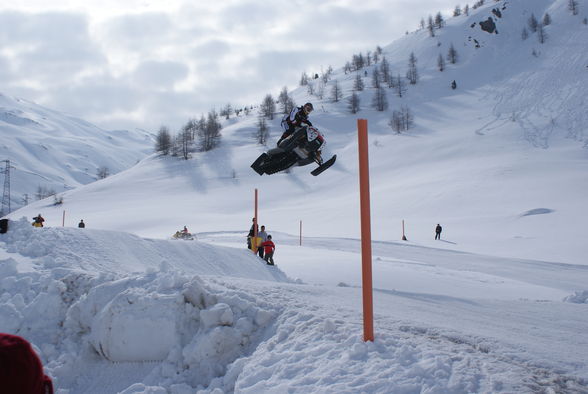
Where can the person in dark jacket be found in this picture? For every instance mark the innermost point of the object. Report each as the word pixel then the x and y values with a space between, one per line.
pixel 438 230
pixel 21 371
pixel 81 224
pixel 252 231
pixel 297 117
pixel 38 221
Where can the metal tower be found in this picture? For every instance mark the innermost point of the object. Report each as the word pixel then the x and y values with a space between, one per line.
pixel 5 208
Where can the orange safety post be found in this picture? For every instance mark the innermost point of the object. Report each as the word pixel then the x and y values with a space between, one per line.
pixel 254 239
pixel 366 237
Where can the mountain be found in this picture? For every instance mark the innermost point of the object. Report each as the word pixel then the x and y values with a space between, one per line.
pixel 49 150
pixel 500 159
pixel 497 305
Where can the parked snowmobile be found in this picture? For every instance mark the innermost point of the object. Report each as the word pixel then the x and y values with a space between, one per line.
pixel 300 148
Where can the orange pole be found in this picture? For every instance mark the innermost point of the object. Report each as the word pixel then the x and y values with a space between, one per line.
pixel 366 237
pixel 254 240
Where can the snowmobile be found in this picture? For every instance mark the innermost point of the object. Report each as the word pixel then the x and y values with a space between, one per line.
pixel 183 235
pixel 301 148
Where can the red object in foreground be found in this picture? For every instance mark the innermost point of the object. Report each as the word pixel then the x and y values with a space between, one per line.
pixel 21 370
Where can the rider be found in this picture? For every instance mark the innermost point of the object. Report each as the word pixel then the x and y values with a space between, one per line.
pixel 296 118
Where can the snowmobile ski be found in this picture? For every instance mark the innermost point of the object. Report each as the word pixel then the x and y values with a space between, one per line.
pixel 324 166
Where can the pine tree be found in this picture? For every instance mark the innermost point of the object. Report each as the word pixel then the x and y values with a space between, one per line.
pixel 546 19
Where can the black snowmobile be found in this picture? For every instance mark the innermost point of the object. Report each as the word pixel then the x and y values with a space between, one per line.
pixel 301 148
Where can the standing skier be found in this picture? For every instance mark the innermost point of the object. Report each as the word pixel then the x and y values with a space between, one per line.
pixel 438 230
pixel 296 118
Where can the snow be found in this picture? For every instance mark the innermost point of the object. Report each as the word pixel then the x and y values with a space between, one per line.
pixel 499 304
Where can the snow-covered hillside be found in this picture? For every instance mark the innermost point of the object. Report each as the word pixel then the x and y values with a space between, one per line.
pixel 499 304
pixel 54 151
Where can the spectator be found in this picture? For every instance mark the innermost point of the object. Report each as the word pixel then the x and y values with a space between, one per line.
pixel 251 234
pixel 21 370
pixel 453 84
pixel 269 247
pixel 81 224
pixel 38 221
pixel 262 237
pixel 438 230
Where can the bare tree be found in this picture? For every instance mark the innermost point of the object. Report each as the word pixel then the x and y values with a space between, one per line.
pixel 163 141
pixel 439 22
pixel 353 103
pixel 262 131
pixel 385 70
pixel 380 101
pixel 524 33
pixel 412 73
pixel 399 86
pixel 532 22
pixel 304 79
pixel 210 135
pixel 541 35
pixel 336 92
pixel 286 102
pixel 466 10
pixel 376 78
pixel 452 54
pixel 268 107
pixel 440 63
pixel 102 173
pixel 431 26
pixel 402 120
pixel 358 84
pixel 573 6
pixel 226 111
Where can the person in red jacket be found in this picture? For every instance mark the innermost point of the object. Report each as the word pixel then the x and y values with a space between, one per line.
pixel 21 370
pixel 269 248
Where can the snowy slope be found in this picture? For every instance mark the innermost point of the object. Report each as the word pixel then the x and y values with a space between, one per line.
pixel 498 305
pixel 52 150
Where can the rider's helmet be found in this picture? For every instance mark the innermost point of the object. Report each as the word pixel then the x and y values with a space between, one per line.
pixel 307 108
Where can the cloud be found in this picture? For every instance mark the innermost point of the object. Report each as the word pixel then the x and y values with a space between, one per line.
pixel 160 75
pixel 144 63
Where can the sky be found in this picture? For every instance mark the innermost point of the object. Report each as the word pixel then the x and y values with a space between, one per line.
pixel 144 64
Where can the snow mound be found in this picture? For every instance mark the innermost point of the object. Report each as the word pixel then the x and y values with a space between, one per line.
pixel 579 297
